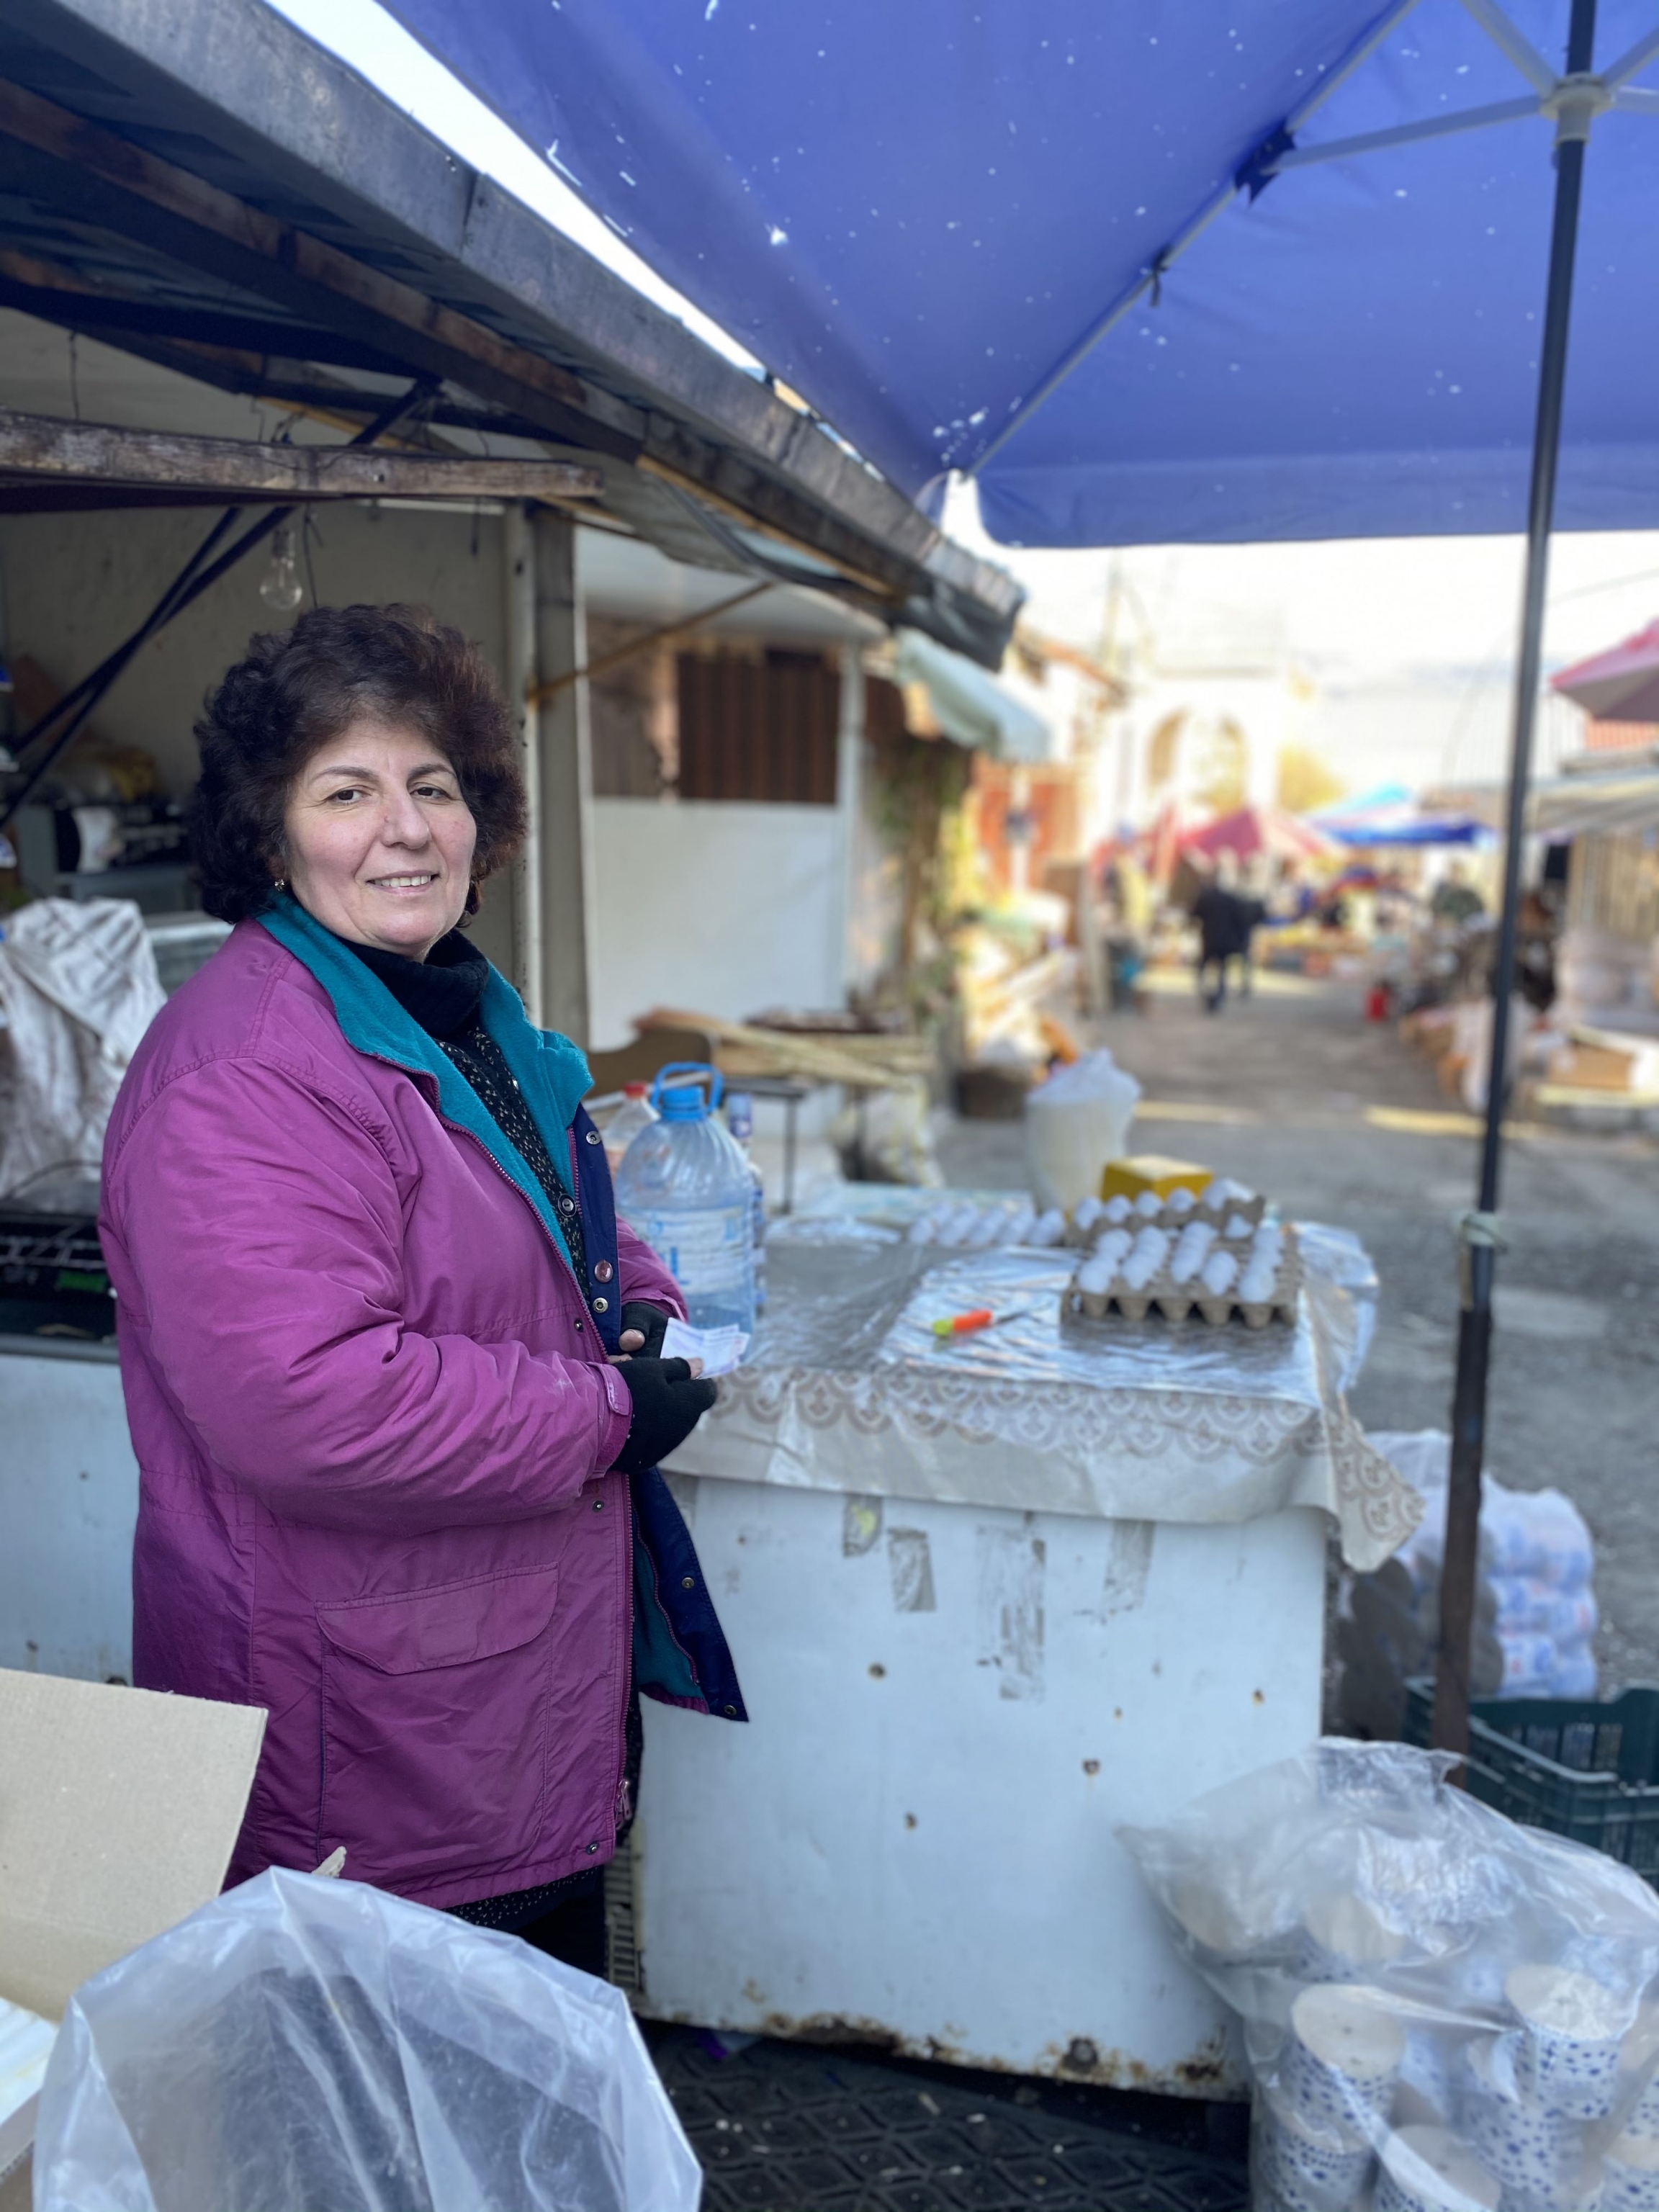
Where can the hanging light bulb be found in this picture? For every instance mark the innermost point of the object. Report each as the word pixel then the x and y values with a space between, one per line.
pixel 280 587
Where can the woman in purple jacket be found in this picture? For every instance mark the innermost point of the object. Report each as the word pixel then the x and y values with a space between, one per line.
pixel 392 1365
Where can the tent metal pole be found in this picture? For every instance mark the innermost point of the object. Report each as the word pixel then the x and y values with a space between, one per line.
pixel 1478 1233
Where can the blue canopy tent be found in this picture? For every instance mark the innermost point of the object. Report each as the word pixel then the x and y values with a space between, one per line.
pixel 925 218
pixel 1428 829
pixel 1390 816
pixel 1159 272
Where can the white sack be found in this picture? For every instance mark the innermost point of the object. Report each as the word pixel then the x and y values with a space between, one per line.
pixel 78 988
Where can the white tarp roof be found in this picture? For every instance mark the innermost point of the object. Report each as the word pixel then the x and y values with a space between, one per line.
pixel 971 705
pixel 1626 798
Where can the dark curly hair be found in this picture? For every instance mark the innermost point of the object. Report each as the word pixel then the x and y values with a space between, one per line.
pixel 297 689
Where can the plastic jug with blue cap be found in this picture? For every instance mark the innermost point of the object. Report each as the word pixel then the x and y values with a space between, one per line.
pixel 684 1187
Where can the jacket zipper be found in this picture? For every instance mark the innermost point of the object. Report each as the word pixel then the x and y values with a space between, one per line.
pixel 624 1808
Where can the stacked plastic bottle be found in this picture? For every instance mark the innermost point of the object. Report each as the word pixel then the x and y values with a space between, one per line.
pixel 684 1187
pixel 740 1121
pixel 635 1113
pixel 1537 1564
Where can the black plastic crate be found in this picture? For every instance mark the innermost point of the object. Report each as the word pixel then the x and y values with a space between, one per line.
pixel 1578 1768
pixel 52 1278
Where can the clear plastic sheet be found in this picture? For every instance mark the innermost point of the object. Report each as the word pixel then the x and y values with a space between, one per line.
pixel 303 2045
pixel 847 1387
pixel 865 1293
pixel 1443 2012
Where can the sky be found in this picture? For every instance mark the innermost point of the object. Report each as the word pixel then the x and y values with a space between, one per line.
pixel 1409 643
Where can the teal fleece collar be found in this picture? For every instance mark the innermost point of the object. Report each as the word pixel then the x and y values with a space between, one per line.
pixel 552 1074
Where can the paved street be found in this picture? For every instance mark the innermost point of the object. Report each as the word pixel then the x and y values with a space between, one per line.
pixel 1294 1094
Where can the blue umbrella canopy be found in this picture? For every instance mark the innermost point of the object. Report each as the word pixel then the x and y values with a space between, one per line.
pixel 1100 257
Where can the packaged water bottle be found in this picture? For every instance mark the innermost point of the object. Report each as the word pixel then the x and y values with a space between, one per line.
pixel 740 1121
pixel 635 1113
pixel 684 1187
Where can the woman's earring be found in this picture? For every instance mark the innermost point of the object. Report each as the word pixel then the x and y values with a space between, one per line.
pixel 279 883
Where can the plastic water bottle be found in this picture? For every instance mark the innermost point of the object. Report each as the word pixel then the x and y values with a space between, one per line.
pixel 740 1121
pixel 635 1113
pixel 684 1187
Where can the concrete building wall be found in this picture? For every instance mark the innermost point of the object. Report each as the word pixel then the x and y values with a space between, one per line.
pixel 713 906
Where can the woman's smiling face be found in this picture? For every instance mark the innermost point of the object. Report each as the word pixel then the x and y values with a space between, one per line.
pixel 380 841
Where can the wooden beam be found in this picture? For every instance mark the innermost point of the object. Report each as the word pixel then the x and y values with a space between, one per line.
pixel 39 447
pixel 121 186
pixel 542 692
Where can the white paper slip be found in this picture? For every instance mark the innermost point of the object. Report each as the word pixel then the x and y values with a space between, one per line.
pixel 719 1349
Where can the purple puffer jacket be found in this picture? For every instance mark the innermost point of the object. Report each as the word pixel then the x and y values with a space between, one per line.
pixel 372 1426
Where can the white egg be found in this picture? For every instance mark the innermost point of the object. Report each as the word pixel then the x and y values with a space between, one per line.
pixel 1256 1285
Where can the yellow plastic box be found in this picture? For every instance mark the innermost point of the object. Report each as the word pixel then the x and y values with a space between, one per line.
pixel 1152 1171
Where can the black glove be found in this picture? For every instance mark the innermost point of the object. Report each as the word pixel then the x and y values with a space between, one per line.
pixel 651 1322
pixel 667 1406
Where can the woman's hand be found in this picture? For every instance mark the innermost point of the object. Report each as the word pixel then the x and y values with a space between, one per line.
pixel 643 1329
pixel 668 1403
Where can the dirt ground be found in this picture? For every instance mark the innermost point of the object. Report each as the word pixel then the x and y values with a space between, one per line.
pixel 1293 1093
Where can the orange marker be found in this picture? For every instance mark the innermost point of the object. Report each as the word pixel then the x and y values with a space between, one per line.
pixel 965 1324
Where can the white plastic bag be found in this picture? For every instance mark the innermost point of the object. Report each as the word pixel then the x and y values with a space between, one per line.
pixel 303 2045
pixel 1537 1563
pixel 1074 1123
pixel 78 988
pixel 1439 2007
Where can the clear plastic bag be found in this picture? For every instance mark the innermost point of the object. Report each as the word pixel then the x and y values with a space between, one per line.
pixel 303 2045
pixel 1441 2009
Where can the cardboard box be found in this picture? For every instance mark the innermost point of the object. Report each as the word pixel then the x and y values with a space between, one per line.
pixel 1591 1067
pixel 119 1813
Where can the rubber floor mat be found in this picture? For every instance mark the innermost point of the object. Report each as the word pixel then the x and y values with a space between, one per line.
pixel 783 2127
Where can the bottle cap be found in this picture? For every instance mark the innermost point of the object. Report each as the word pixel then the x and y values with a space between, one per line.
pixel 684 1102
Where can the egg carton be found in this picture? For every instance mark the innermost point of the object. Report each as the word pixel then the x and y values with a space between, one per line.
pixel 1231 1204
pixel 969 1226
pixel 1178 1301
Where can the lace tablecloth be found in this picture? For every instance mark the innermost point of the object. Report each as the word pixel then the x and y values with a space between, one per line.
pixel 847 1388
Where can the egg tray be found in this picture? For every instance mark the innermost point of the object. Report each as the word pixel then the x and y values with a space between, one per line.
pixel 1180 1300
pixel 1250 1209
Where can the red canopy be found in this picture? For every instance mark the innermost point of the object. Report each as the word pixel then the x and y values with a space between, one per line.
pixel 1619 686
pixel 1253 830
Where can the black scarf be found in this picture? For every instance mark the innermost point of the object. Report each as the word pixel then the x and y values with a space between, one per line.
pixel 441 993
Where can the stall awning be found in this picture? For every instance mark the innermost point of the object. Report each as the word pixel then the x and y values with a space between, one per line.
pixel 971 705
pixel 1626 800
pixel 1621 686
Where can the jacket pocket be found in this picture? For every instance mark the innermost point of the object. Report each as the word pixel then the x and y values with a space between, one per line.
pixel 435 1720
